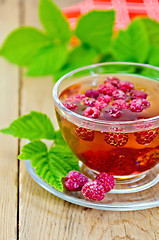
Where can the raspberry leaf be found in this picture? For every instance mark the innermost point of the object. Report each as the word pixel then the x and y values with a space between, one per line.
pixel 51 165
pixel 48 60
pixel 96 28
pixel 153 56
pixel 59 138
pixel 53 21
pixel 33 150
pixel 32 126
pixel 75 59
pixel 152 28
pixel 132 44
pixel 22 45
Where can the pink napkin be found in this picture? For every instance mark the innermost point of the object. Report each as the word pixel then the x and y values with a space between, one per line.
pixel 125 10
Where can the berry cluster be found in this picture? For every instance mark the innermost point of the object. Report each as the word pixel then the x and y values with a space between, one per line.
pixel 122 161
pixel 118 139
pixel 93 190
pixel 109 98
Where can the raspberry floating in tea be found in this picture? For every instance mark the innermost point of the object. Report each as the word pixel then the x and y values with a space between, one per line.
pixel 84 133
pixel 111 100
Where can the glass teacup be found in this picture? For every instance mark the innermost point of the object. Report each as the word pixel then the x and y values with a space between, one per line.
pixel 129 161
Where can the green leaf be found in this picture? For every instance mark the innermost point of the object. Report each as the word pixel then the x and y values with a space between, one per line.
pixel 50 165
pixel 58 139
pixel 53 21
pixel 32 126
pixel 48 60
pixel 132 44
pixel 80 56
pixel 96 29
pixel 152 28
pixel 153 57
pixel 22 45
pixel 33 150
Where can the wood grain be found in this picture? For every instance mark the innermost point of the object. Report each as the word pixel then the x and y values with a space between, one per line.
pixel 9 108
pixel 43 216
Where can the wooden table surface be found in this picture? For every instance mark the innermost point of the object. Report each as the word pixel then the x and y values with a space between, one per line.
pixel 28 212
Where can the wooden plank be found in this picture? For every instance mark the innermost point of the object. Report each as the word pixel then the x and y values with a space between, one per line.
pixel 44 216
pixel 9 91
pixel 63 4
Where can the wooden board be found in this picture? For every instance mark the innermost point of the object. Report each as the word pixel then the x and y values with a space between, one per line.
pixel 44 216
pixel 41 215
pixel 9 108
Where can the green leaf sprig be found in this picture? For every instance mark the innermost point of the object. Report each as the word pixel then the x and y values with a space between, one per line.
pixel 50 164
pixel 51 52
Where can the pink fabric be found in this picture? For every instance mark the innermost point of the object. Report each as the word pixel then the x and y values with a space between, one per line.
pixel 125 10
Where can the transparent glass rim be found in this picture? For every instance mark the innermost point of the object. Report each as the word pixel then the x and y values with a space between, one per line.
pixel 97 121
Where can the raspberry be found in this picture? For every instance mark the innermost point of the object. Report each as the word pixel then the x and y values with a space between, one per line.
pixel 138 94
pixel 107 180
pixel 79 96
pixel 145 103
pixel 84 133
pixel 100 105
pixel 93 190
pixel 70 99
pixel 92 93
pixel 138 105
pixel 91 112
pixel 121 104
pixel 118 94
pixel 89 101
pixel 116 139
pixel 114 112
pixel 126 86
pixel 113 80
pixel 74 181
pixel 97 160
pixel 146 158
pixel 105 99
pixel 75 98
pixel 145 137
pixel 122 160
pixel 70 106
pixel 106 88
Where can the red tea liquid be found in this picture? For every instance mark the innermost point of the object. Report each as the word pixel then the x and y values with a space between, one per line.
pixel 134 153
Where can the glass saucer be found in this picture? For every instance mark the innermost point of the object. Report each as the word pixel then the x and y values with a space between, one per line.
pixel 114 200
